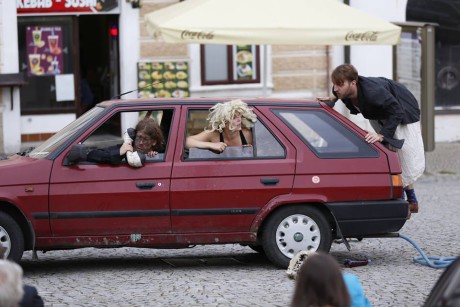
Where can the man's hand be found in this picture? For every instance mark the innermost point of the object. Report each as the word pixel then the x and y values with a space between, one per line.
pixel 125 148
pixel 372 137
pixel 330 101
pixel 152 153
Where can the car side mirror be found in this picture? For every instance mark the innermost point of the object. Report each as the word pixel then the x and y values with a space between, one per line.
pixel 77 152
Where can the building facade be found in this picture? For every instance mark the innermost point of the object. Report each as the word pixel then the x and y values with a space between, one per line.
pixel 73 57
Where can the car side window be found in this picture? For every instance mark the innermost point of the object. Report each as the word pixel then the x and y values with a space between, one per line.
pixel 325 136
pixel 110 134
pixel 265 144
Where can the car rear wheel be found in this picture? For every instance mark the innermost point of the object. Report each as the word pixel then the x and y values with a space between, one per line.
pixel 257 248
pixel 11 237
pixel 293 229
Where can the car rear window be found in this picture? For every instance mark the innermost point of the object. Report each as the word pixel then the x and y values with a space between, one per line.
pixel 325 136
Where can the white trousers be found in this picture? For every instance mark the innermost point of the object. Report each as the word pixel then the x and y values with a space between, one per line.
pixel 412 154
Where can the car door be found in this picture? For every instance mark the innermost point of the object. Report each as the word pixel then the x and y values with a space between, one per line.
pixel 221 195
pixel 88 199
pixel 336 159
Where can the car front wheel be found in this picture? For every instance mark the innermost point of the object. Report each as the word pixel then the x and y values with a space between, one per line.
pixel 11 237
pixel 293 229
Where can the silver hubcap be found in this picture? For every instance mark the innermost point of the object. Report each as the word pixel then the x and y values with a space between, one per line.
pixel 5 240
pixel 297 232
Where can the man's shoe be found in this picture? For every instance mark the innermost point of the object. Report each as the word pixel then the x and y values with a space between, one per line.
pixel 413 207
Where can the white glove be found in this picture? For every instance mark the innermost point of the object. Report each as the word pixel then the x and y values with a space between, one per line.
pixel 129 135
pixel 135 159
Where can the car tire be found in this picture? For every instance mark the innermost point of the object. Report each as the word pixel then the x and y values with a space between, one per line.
pixel 11 237
pixel 292 229
pixel 257 248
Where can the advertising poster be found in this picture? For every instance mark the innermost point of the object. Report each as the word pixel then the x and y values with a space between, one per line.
pixel 245 62
pixel 163 79
pixel 409 63
pixel 44 50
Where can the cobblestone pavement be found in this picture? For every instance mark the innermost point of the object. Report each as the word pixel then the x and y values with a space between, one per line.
pixel 232 275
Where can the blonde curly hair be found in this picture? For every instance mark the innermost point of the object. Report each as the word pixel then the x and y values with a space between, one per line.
pixel 223 113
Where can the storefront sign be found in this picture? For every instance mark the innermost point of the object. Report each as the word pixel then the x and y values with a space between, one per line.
pixel 44 50
pixel 31 7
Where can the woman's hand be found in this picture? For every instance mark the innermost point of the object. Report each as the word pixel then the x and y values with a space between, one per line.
pixel 218 147
pixel 372 137
pixel 124 148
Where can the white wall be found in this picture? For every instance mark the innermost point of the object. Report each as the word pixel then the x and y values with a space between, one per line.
pixel 47 123
pixel 129 55
pixel 9 64
pixel 377 60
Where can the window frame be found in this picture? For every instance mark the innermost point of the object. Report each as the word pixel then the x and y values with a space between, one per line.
pixel 185 156
pixel 166 114
pixel 230 68
pixel 343 130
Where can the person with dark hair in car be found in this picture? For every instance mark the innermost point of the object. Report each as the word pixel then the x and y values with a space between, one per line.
pixel 145 140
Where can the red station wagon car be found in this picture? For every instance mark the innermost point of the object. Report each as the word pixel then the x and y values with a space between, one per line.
pixel 309 178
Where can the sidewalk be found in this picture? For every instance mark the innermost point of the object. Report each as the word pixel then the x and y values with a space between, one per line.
pixel 444 159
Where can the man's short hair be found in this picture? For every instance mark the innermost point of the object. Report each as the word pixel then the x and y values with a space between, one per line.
pixel 344 72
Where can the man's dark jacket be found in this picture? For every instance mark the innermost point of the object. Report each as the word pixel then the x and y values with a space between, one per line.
pixel 110 155
pixel 384 99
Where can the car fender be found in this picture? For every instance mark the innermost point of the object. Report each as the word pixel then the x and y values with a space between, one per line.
pixel 286 199
pixel 22 219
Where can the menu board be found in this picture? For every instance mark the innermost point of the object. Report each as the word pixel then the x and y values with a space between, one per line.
pixel 44 50
pixel 163 79
pixel 245 64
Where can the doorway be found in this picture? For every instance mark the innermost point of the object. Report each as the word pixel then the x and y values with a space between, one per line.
pixel 99 59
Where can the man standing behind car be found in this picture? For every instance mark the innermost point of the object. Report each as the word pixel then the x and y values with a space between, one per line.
pixel 394 114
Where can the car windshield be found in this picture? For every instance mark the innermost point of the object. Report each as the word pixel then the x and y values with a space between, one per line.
pixel 44 149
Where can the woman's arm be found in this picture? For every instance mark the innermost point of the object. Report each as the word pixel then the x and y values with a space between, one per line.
pixel 248 136
pixel 203 140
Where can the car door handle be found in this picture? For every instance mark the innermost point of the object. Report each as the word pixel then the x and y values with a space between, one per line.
pixel 145 185
pixel 269 181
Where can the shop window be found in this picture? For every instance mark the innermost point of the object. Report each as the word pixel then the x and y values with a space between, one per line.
pixel 46 57
pixel 235 64
pixel 446 16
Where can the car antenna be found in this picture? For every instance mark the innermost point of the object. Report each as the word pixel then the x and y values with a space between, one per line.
pixel 139 88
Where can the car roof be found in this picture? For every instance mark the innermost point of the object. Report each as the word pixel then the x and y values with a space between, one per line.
pixel 209 100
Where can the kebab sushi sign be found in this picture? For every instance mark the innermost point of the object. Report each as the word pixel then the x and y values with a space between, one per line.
pixel 25 7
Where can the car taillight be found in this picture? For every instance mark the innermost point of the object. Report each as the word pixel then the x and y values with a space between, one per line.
pixel 397 186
